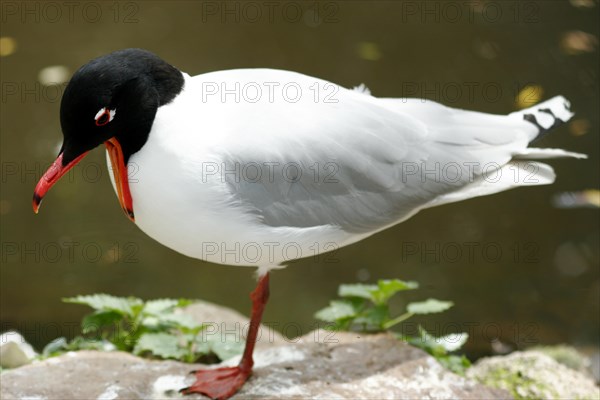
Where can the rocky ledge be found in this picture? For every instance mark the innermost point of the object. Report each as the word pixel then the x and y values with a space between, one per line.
pixel 342 366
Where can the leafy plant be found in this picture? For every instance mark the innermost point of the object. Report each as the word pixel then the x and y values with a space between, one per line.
pixel 155 328
pixel 365 308
pixel 440 347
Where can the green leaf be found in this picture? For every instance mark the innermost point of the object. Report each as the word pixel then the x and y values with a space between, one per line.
pixel 356 290
pixel 99 320
pixel 453 341
pixel 200 343
pixel 386 288
pixel 179 321
pixel 184 302
pixel 426 342
pixel 378 294
pixel 55 347
pixel 337 310
pixel 438 346
pixel 373 318
pixel 225 349
pixel 151 323
pixel 162 313
pixel 82 343
pixel 429 306
pixel 395 321
pixel 161 345
pixel 456 364
pixel 159 306
pixel 105 302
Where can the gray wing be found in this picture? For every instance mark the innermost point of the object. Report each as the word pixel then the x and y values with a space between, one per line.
pixel 351 167
pixel 365 163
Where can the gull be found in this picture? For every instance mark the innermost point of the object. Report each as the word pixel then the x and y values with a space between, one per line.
pixel 257 167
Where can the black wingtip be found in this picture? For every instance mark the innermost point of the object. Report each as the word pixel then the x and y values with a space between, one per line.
pixel 544 131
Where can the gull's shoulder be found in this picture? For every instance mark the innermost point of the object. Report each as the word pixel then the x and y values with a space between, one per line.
pixel 269 78
pixel 250 74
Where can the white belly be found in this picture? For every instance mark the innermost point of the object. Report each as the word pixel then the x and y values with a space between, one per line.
pixel 174 206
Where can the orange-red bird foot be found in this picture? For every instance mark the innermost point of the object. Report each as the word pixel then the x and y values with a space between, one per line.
pixel 222 383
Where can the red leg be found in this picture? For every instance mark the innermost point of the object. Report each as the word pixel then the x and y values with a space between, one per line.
pixel 222 383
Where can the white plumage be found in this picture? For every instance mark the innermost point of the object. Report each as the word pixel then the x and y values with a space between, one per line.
pixel 277 165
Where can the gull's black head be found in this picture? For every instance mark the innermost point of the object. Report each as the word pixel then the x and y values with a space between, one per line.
pixel 113 100
pixel 115 95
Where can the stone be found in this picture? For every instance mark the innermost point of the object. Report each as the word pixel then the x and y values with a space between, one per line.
pixel 567 356
pixel 319 365
pixel 225 321
pixel 534 375
pixel 14 350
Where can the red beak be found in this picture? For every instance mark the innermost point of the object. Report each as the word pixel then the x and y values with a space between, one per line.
pixel 57 170
pixel 54 173
pixel 120 174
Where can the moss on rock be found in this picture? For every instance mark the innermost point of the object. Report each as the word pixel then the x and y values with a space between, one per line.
pixel 567 356
pixel 533 375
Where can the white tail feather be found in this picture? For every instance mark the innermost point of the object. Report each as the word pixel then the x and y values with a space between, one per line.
pixel 534 153
pixel 513 174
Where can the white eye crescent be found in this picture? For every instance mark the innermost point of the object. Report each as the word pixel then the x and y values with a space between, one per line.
pixel 103 111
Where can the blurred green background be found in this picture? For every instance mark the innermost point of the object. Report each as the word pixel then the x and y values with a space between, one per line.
pixel 544 286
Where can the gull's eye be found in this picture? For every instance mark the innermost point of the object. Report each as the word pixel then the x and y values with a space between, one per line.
pixel 104 116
